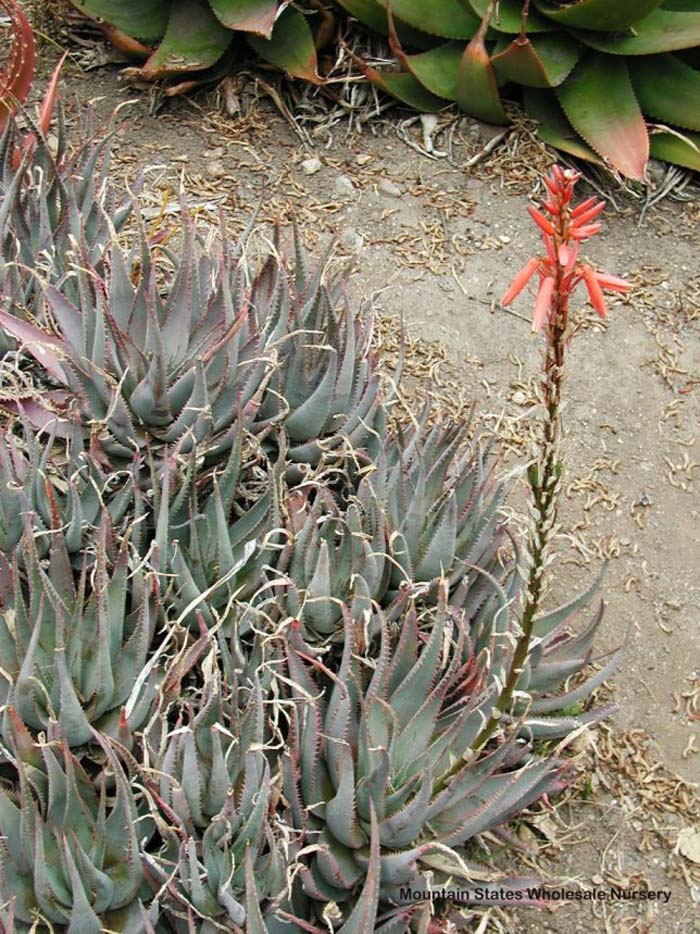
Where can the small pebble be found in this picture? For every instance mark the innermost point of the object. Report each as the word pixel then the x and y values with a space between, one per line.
pixel 311 166
pixel 344 186
pixel 364 159
pixel 389 188
pixel 216 169
pixel 351 240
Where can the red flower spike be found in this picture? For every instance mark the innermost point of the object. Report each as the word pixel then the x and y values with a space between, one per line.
pixel 540 220
pixel 595 293
pixel 543 302
pixel 520 281
pixel 563 254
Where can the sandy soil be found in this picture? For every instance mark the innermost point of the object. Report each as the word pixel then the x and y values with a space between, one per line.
pixel 437 245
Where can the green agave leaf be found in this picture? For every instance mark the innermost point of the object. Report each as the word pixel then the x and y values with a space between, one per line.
pixel 291 46
pixel 598 99
pixel 142 19
pixel 599 15
pixel 554 129
pixel 372 14
pixel 661 31
pixel 405 88
pixel 193 41
pixel 446 18
pixel 540 63
pixel 364 914
pixel 257 16
pixel 508 17
pixel 477 89
pixel 667 89
pixel 437 69
pixel 680 148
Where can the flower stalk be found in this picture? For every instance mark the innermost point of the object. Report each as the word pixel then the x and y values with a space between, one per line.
pixel 559 275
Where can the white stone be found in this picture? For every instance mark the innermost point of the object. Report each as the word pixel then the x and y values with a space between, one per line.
pixel 344 186
pixel 311 166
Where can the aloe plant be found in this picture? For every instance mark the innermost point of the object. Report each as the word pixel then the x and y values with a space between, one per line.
pixel 69 855
pixel 73 651
pixel 374 772
pixel 187 36
pixel 18 73
pixel 261 646
pixel 590 70
pixel 63 486
pixel 49 203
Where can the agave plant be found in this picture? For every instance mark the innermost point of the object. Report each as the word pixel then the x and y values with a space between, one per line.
pixel 50 204
pixel 69 854
pixel 442 505
pixel 145 368
pixel 384 750
pixel 18 74
pixel 590 70
pixel 325 388
pixel 65 490
pixel 188 37
pixel 215 552
pixel 210 781
pixel 335 556
pixel 73 652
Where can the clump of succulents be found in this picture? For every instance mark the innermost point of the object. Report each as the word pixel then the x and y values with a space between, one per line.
pixel 254 630
pixel 69 852
pixel 590 72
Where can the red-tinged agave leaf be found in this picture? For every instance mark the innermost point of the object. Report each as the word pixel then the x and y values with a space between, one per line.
pixel 509 16
pixel 446 18
pixel 194 40
pixel 291 46
pixel 543 62
pixel 477 89
pixel 679 148
pixel 667 89
pixel 372 14
pixel 661 31
pixel 18 73
pixel 43 416
pixel 256 16
pixel 140 19
pixel 124 43
pixel 553 127
pixel 37 342
pixel 47 108
pixel 598 15
pixel 600 104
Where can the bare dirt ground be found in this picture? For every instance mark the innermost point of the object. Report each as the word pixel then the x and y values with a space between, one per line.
pixel 436 242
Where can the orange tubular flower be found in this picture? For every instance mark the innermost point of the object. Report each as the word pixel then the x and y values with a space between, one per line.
pixel 520 281
pixel 543 302
pixel 595 293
